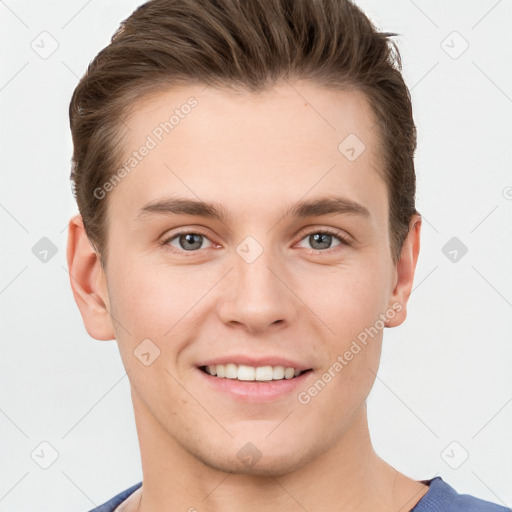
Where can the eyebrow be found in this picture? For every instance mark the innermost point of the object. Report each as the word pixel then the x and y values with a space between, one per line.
pixel 306 208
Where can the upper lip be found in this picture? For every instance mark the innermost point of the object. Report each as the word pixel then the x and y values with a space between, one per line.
pixel 256 361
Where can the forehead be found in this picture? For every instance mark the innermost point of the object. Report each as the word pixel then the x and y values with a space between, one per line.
pixel 236 147
pixel 315 109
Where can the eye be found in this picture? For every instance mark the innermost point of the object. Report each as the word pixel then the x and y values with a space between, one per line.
pixel 187 241
pixel 190 241
pixel 321 241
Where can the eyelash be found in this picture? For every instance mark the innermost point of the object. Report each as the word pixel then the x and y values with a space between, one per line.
pixel 343 241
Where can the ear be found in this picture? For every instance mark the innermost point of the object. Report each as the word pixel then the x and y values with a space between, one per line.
pixel 88 282
pixel 404 273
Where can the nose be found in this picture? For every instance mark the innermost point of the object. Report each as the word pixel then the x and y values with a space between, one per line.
pixel 258 295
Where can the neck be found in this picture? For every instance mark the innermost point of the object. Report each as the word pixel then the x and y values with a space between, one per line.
pixel 349 476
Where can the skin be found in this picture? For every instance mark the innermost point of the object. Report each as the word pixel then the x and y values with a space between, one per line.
pixel 257 155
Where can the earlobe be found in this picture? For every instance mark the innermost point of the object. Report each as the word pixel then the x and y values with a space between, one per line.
pixel 88 282
pixel 405 269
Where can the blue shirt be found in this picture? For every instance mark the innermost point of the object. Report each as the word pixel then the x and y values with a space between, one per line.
pixel 440 497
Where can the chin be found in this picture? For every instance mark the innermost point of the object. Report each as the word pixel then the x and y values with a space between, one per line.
pixel 267 466
pixel 247 458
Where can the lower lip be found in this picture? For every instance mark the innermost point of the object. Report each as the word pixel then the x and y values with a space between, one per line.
pixel 253 390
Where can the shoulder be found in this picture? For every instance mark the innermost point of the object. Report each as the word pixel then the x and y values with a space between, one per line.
pixel 113 503
pixel 442 497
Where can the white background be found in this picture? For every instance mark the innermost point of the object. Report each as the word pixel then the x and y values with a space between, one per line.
pixel 445 373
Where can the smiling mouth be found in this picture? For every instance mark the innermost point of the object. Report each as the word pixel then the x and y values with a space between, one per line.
pixel 251 373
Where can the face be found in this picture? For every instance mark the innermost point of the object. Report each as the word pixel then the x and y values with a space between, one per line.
pixel 287 265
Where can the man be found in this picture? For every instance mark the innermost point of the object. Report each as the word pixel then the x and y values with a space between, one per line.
pixel 245 179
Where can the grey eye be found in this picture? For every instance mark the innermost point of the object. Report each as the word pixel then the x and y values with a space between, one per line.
pixel 188 241
pixel 321 240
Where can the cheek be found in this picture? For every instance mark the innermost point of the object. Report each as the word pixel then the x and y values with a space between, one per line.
pixel 159 303
pixel 349 302
pixel 348 299
pixel 151 299
pixel 343 384
pixel 139 304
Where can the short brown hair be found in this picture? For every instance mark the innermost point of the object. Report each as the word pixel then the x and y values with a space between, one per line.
pixel 250 44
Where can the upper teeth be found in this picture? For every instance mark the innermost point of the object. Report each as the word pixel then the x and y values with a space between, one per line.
pixel 244 372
